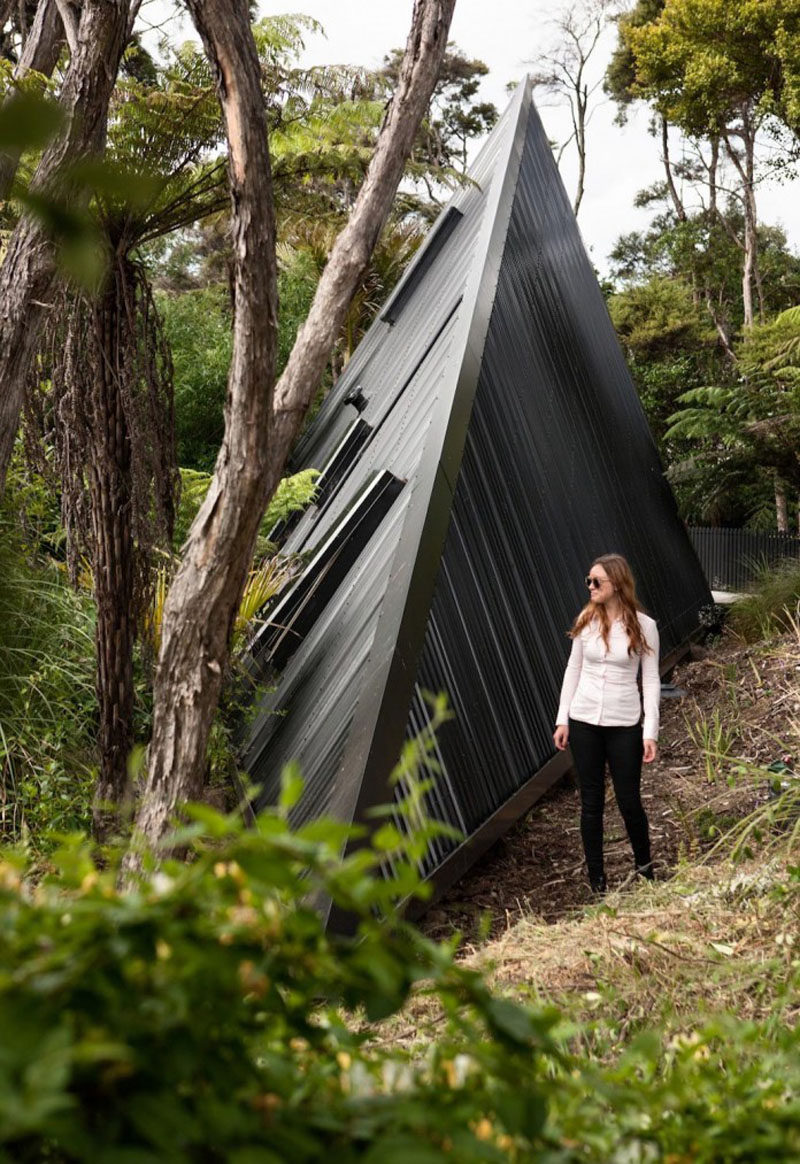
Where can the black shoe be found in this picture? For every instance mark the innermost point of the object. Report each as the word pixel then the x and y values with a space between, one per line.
pixel 646 871
pixel 599 884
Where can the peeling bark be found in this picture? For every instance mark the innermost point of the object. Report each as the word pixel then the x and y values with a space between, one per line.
pixel 259 430
pixel 204 596
pixel 27 274
pixel 40 55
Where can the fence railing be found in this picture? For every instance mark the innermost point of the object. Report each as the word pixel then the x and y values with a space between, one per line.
pixel 731 558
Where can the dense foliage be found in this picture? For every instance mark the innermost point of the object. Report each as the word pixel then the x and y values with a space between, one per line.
pixel 206 1015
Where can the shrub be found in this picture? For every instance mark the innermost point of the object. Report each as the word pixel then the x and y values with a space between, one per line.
pixel 207 1016
pixel 771 607
pixel 197 325
pixel 204 1015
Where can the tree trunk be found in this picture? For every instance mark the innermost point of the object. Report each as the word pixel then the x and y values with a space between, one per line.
pixel 205 594
pixel 40 55
pixel 29 267
pixel 746 171
pixel 781 507
pixel 6 8
pixel 110 487
pixel 713 168
pixel 580 142
pixel 352 250
pixel 677 201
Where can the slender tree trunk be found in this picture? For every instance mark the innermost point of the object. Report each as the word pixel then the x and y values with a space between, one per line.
pixel 721 325
pixel 746 171
pixel 29 267
pixel 579 127
pixel 202 601
pixel 110 487
pixel 781 507
pixel 713 168
pixel 352 250
pixel 580 142
pixel 40 55
pixel 205 594
pixel 750 275
pixel 677 201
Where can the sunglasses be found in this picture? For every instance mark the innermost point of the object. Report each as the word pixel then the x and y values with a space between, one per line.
pixel 595 583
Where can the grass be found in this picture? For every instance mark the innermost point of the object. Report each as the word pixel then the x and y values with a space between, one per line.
pixel 47 699
pixel 719 940
pixel 673 956
pixel 772 605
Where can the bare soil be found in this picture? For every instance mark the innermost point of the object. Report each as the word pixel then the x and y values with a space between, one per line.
pixel 738 714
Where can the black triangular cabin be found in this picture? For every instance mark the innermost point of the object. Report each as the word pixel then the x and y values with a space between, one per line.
pixel 484 443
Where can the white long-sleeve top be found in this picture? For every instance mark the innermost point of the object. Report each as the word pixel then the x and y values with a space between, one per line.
pixel 600 685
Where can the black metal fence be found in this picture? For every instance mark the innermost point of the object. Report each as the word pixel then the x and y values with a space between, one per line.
pixel 732 558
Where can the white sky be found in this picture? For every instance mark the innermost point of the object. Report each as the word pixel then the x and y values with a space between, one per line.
pixel 505 34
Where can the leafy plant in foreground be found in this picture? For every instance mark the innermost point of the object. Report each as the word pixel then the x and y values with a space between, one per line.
pixel 207 1015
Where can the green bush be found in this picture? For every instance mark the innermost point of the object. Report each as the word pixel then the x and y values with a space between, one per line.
pixel 197 325
pixel 771 607
pixel 293 494
pixel 206 1016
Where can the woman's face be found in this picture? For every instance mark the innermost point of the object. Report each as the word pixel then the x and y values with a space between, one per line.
pixel 600 588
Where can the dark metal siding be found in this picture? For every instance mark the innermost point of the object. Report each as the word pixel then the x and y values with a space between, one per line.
pixel 470 582
pixel 732 558
pixel 558 467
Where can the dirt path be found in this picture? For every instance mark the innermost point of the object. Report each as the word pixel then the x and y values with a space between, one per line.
pixel 744 701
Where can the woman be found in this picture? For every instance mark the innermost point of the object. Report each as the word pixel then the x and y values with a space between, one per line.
pixel 600 709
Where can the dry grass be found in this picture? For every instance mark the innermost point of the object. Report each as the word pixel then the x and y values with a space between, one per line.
pixel 719 933
pixel 714 939
pixel 739 714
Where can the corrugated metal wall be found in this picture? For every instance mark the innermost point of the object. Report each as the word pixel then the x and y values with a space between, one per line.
pixel 401 371
pixel 500 397
pixel 559 467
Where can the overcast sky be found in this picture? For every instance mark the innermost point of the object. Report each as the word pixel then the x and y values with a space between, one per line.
pixel 506 34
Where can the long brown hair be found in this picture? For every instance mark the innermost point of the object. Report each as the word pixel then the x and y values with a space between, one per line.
pixel 621 578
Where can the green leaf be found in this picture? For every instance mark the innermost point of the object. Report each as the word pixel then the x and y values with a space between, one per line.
pixel 291 787
pixel 510 1019
pixel 404 1149
pixel 28 121
pixel 116 183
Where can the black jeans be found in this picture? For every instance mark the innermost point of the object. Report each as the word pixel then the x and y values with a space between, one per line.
pixel 621 747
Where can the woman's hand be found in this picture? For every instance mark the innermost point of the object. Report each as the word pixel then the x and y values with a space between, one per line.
pixel 650 750
pixel 561 736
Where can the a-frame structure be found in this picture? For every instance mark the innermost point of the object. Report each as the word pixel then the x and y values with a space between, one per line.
pixel 483 445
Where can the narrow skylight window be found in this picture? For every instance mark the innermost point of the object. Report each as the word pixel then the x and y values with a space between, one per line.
pixel 297 611
pixel 422 265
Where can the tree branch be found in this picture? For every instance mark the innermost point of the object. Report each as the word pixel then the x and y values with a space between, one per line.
pixel 207 588
pixel 40 55
pixel 424 52
pixel 70 18
pixel 29 266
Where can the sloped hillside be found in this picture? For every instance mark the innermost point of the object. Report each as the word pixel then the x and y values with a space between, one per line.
pixel 738 715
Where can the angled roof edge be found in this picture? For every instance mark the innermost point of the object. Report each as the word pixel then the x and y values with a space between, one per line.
pixel 381 716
